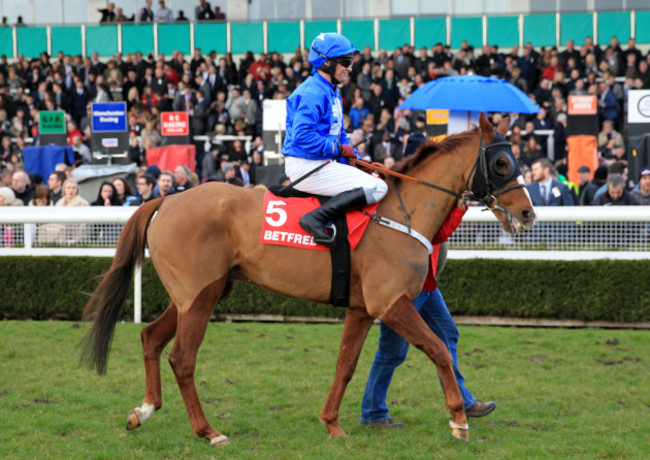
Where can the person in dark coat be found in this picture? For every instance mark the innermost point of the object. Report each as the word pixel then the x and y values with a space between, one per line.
pixel 200 114
pixel 616 194
pixel 545 190
pixel 79 100
pixel 586 189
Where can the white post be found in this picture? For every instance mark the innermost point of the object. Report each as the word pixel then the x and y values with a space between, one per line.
pixel 28 235
pixel 137 294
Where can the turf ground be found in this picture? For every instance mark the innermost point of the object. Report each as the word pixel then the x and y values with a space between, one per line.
pixel 561 393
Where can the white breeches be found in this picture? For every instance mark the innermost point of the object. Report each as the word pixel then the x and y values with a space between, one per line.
pixel 333 179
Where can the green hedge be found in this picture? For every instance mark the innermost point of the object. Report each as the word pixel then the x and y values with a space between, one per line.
pixel 58 288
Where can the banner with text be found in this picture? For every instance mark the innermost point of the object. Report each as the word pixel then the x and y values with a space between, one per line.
pixel 174 124
pixel 108 117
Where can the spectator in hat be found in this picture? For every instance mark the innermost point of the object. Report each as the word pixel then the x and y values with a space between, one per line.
pixel 229 175
pixel 642 192
pixel 600 176
pixel 154 171
pixel 616 195
pixel 8 197
pixel 586 188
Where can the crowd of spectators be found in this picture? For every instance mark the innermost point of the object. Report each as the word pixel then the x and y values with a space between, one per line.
pixel 202 12
pixel 225 97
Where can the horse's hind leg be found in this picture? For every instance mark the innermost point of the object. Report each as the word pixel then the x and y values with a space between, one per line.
pixel 192 323
pixel 155 338
pixel 355 330
pixel 403 318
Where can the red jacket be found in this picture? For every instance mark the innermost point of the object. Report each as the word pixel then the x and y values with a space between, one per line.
pixel 446 229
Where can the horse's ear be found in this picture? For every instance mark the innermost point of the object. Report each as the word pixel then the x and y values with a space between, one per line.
pixel 486 128
pixel 504 124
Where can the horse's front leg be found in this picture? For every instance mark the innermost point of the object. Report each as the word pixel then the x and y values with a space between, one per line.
pixel 355 330
pixel 403 318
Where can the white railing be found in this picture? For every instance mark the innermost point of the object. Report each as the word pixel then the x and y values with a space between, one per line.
pixel 29 217
pixel 561 233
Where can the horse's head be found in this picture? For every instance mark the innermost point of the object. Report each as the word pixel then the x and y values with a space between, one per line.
pixel 497 182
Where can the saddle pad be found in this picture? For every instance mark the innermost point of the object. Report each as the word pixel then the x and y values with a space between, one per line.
pixel 281 215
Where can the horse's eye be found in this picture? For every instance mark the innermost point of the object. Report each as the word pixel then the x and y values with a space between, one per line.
pixel 502 166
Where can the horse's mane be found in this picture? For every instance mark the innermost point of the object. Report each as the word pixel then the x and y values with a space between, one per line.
pixel 429 148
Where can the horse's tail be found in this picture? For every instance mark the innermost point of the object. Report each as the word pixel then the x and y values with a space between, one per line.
pixel 106 302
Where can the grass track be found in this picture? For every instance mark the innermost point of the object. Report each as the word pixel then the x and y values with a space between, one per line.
pixel 561 394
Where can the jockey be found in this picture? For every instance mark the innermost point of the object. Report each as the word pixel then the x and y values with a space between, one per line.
pixel 315 135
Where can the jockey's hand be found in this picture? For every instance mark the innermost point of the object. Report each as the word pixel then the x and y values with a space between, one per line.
pixel 347 151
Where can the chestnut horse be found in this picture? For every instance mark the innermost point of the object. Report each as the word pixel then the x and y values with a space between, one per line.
pixel 204 239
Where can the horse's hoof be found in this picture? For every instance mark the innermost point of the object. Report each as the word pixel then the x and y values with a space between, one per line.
pixel 338 434
pixel 133 421
pixel 219 441
pixel 459 431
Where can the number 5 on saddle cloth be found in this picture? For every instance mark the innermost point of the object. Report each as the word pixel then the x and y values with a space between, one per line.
pixel 283 208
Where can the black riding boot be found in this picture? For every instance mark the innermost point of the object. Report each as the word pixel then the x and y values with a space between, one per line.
pixel 315 221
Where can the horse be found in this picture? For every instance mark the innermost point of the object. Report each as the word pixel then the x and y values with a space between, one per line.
pixel 203 240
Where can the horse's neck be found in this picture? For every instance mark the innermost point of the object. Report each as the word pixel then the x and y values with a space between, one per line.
pixel 427 207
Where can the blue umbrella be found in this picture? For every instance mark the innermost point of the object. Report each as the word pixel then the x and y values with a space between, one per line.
pixel 470 92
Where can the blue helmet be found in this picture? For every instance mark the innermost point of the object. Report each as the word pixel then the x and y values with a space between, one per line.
pixel 328 46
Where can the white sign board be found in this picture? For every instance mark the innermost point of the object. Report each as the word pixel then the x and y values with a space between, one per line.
pixel 275 114
pixel 638 107
pixel 274 125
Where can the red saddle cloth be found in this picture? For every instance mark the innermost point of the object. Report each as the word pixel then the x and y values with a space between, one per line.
pixel 281 227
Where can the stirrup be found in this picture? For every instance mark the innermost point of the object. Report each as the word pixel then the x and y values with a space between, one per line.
pixel 330 239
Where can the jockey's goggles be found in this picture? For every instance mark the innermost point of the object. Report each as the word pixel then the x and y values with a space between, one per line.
pixel 345 61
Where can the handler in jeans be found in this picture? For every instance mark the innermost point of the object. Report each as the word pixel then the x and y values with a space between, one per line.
pixel 393 348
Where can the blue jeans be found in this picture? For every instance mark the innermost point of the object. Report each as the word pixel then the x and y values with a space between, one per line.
pixel 393 349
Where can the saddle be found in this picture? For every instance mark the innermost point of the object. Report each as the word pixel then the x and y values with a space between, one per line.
pixel 339 250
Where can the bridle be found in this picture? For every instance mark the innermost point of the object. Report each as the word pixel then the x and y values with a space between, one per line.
pixel 484 189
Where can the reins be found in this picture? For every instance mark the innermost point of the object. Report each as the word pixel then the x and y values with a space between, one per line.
pixel 487 197
pixel 389 172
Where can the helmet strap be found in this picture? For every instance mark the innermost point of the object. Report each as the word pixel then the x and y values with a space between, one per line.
pixel 330 70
